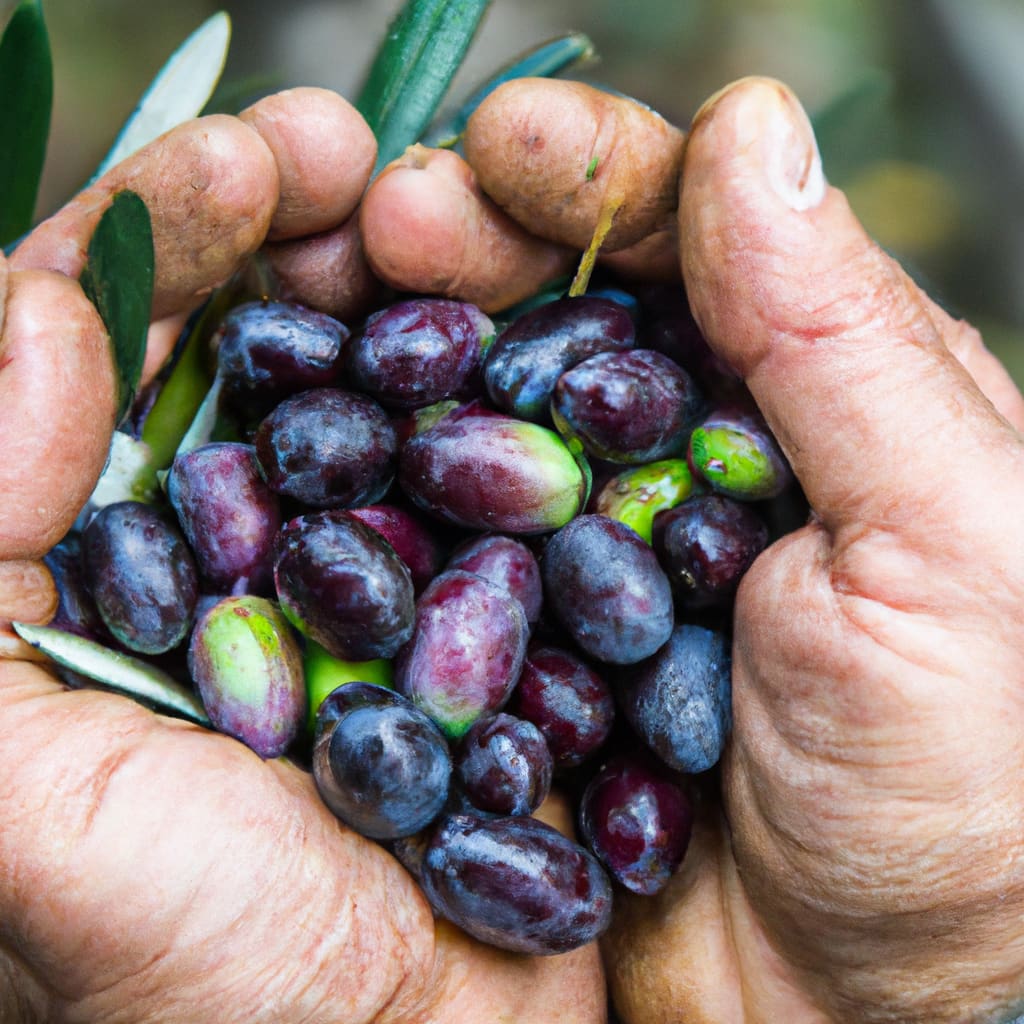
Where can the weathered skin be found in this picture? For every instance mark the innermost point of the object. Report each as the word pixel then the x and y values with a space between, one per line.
pixel 224 213
pixel 57 396
pixel 327 272
pixel 28 593
pixel 427 227
pixel 555 154
pixel 101 922
pixel 324 158
pixel 870 869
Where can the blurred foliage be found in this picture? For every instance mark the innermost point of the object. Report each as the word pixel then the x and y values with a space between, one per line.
pixel 905 128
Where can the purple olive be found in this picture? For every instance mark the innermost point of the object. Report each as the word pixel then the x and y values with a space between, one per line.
pixel 341 583
pixel 466 650
pixel 228 514
pixel 492 472
pixel 247 666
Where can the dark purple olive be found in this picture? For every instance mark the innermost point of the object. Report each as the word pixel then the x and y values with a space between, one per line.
pixel 141 574
pixel 76 610
pixel 567 700
pixel 530 354
pixel 379 763
pixel 267 351
pixel 342 584
pixel 228 514
pixel 669 328
pixel 418 351
pixel 705 545
pixel 679 700
pixel 629 407
pixel 411 538
pixel 504 765
pixel 605 586
pixel 328 449
pixel 516 884
pixel 637 821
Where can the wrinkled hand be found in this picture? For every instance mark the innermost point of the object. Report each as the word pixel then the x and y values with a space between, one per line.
pixel 867 866
pixel 149 870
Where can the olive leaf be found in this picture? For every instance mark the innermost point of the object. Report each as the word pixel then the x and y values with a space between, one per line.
pixel 114 670
pixel 850 127
pixel 413 69
pixel 179 91
pixel 26 101
pixel 118 279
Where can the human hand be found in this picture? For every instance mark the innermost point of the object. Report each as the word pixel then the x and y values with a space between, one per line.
pixel 150 870
pixel 866 864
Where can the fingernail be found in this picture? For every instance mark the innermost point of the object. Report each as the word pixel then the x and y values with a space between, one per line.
pixel 792 163
pixel 712 101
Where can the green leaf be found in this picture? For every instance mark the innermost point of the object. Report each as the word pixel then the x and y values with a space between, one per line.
pixel 129 474
pixel 118 279
pixel 114 670
pixel 232 96
pixel 179 92
pixel 850 127
pixel 190 380
pixel 26 100
pixel 423 49
pixel 542 61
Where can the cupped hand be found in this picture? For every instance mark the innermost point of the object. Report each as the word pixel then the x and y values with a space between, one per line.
pixel 866 863
pixel 150 870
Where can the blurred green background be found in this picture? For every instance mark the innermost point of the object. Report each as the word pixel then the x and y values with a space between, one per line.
pixel 919 103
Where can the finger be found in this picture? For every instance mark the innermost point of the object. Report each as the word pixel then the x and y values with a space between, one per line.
pixel 27 594
pixel 327 272
pixel 428 228
pixel 325 154
pixel 555 155
pixel 843 353
pixel 966 344
pixel 211 186
pixel 652 260
pixel 58 401
pixel 160 341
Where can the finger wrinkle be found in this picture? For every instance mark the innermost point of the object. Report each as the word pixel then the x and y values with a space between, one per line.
pixel 22 998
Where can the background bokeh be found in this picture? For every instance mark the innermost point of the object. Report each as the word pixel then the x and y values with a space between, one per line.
pixel 919 104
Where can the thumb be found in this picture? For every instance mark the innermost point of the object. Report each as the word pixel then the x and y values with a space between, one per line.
pixel 853 367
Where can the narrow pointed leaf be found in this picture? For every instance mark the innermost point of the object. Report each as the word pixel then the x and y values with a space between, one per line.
pixel 190 379
pixel 423 49
pixel 118 278
pixel 850 128
pixel 26 101
pixel 543 61
pixel 179 92
pixel 114 670
pixel 129 474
